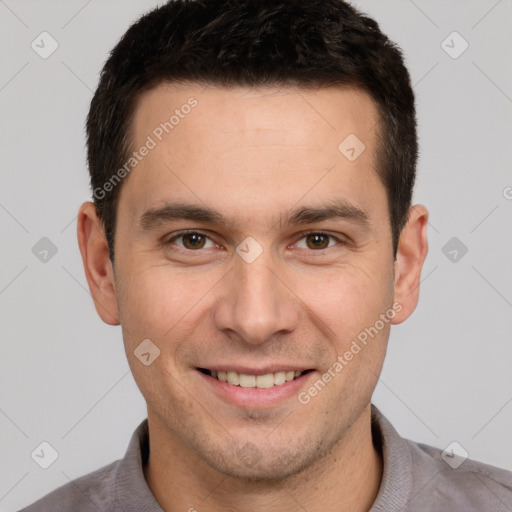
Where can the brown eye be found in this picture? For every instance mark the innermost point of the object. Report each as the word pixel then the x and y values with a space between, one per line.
pixel 317 241
pixel 193 241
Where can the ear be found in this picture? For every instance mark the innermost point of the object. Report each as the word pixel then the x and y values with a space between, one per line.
pixel 97 265
pixel 411 254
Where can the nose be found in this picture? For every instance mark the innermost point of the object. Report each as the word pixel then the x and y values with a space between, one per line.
pixel 256 303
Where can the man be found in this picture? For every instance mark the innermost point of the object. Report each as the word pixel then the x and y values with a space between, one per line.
pixel 252 166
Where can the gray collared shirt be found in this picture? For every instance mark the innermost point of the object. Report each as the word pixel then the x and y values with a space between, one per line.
pixel 415 478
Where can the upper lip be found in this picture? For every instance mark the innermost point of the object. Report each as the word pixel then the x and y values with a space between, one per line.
pixel 261 370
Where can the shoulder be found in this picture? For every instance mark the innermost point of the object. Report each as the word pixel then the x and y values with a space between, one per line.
pixel 120 486
pixel 447 481
pixel 417 477
pixel 94 491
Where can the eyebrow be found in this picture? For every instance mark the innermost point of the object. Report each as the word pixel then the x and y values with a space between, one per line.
pixel 339 209
pixel 175 211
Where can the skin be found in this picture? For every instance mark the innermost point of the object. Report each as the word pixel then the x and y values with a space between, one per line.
pixel 253 155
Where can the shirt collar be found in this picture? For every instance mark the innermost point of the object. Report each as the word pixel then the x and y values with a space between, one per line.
pixel 132 493
pixel 395 488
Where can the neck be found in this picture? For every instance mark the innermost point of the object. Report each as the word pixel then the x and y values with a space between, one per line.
pixel 349 476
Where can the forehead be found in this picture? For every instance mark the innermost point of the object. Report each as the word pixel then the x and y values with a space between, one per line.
pixel 278 113
pixel 213 144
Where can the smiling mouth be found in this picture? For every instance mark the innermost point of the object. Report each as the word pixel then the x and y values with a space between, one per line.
pixel 244 380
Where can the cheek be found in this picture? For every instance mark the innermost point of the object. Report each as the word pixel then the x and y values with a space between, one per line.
pixel 347 301
pixel 160 304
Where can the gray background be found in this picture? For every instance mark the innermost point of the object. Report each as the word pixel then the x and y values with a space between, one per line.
pixel 64 376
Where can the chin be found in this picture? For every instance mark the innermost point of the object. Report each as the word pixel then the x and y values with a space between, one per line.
pixel 261 472
pixel 264 463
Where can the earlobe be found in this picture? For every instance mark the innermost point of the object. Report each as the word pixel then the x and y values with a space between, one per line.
pixel 97 265
pixel 411 254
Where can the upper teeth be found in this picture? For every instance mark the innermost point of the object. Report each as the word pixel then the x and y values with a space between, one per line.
pixel 255 381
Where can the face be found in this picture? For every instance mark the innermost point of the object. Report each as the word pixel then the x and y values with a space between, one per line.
pixel 247 242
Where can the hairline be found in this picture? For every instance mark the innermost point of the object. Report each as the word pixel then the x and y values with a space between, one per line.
pixel 135 99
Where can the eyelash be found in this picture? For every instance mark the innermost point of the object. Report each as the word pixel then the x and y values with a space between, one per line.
pixel 338 240
pixel 183 233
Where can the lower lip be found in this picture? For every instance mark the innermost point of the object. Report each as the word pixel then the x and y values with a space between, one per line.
pixel 256 397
